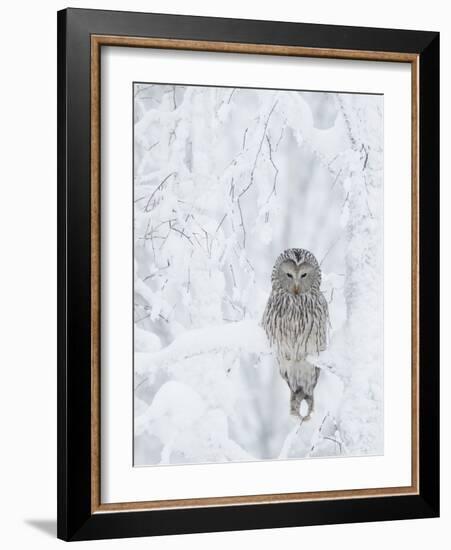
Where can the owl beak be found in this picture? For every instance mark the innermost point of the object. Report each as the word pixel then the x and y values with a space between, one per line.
pixel 296 289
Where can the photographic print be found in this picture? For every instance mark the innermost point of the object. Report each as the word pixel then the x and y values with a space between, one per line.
pixel 258 274
pixel 246 218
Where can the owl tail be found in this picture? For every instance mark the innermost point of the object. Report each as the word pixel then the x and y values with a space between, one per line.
pixel 304 393
pixel 295 403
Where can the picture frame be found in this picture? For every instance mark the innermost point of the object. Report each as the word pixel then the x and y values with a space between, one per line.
pixel 81 36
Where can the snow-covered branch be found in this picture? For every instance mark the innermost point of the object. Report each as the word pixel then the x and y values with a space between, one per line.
pixel 245 336
pixel 240 336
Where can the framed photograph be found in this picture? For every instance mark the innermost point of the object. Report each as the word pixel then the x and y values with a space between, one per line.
pixel 248 274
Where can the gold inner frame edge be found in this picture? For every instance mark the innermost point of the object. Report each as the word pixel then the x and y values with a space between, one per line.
pixel 97 41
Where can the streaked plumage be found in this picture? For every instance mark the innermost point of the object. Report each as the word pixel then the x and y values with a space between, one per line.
pixel 296 321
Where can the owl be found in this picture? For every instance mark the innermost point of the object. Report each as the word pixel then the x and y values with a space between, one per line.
pixel 296 321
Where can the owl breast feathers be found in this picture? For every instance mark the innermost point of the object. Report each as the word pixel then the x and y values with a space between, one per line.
pixel 296 317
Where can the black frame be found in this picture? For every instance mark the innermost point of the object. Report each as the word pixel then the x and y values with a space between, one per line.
pixel 75 520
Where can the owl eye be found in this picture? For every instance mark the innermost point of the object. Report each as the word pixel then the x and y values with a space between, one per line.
pixel 289 275
pixel 303 275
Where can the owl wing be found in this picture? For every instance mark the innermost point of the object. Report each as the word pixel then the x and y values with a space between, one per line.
pixel 323 322
pixel 268 319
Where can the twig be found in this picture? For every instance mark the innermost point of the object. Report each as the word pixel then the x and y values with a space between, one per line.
pixel 206 242
pixel 221 222
pixel 142 88
pixel 197 240
pixel 274 191
pixel 365 162
pixel 143 318
pixel 182 234
pixel 233 275
pixel 231 95
pixel 189 279
pixel 346 199
pixel 333 440
pixel 232 190
pixel 244 138
pixel 152 146
pixel 329 164
pixel 242 223
pixel 336 178
pixel 141 383
pixel 164 240
pixel 159 186
pixel 151 98
pixel 331 295
pixel 152 275
pixel 329 249
pixel 259 150
pixel 173 132
pixel 288 443
pixel 318 433
pixel 250 265
pixel 237 308
pixel 282 132
pixel 347 122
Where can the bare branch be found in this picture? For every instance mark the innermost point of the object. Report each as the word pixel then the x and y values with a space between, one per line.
pixel 276 170
pixel 232 190
pixel 365 162
pixel 259 150
pixel 141 88
pixel 244 139
pixel 152 146
pixel 221 222
pixel 336 178
pixel 346 199
pixel 240 310
pixel 159 186
pixel 347 122
pixel 282 132
pixel 242 223
pixel 250 265
pixel 181 233
pixel 233 275
pixel 334 441
pixel 231 95
pixel 141 383
pixel 289 440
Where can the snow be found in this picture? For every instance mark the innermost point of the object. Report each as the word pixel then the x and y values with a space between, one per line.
pixel 224 180
pixel 303 408
pixel 146 341
pixel 241 336
pixel 175 401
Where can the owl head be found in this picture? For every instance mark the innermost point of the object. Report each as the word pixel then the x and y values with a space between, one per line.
pixel 296 271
